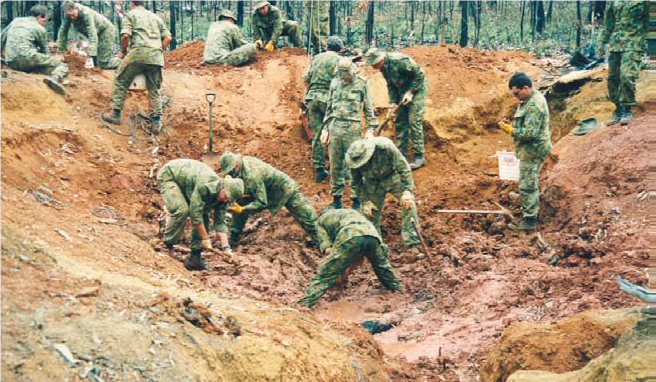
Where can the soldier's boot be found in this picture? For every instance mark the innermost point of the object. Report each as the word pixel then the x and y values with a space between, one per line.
pixel 627 116
pixel 527 224
pixel 194 262
pixel 321 175
pixel 337 202
pixel 355 203
pixel 417 162
pixel 113 117
pixel 53 83
pixel 617 115
pixel 155 125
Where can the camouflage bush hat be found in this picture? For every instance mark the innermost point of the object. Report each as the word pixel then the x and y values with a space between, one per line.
pixel 228 14
pixel 345 68
pixel 261 4
pixel 228 161
pixel 360 152
pixel 234 188
pixel 373 56
pixel 334 43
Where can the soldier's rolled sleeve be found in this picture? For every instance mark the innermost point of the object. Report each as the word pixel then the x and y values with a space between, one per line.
pixel 277 25
pixel 219 218
pixel 62 37
pixel 529 130
pixel 324 238
pixel 92 35
pixel 403 169
pixel 368 107
pixel 196 206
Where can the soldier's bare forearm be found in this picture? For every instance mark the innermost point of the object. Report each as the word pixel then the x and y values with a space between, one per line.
pixel 125 41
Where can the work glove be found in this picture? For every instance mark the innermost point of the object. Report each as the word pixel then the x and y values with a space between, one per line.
pixel 206 244
pixel 269 46
pixel 505 127
pixel 324 136
pixel 407 200
pixel 407 98
pixel 368 209
pixel 259 44
pixel 369 134
pixel 236 209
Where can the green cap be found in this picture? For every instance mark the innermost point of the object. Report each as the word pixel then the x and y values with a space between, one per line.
pixel 360 152
pixel 261 4
pixel 228 161
pixel 234 188
pixel 373 56
pixel 345 68
pixel 227 13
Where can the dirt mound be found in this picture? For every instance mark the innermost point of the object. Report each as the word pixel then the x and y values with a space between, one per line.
pixel 76 65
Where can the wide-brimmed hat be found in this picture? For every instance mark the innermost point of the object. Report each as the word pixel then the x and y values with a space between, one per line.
pixel 360 152
pixel 261 4
pixel 373 56
pixel 228 161
pixel 229 14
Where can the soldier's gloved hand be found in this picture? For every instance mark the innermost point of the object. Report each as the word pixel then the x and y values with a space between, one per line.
pixel 206 244
pixel 236 209
pixel 259 44
pixel 505 127
pixel 369 134
pixel 269 46
pixel 324 136
pixel 368 209
pixel 407 200
pixel 407 98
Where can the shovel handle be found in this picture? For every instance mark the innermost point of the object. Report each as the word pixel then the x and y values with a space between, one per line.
pixel 210 97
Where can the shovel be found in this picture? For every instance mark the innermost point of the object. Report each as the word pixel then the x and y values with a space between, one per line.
pixel 210 157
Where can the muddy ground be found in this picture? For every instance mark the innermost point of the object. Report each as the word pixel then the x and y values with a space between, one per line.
pixel 80 208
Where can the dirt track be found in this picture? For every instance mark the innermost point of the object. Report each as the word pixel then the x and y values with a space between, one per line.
pixel 448 319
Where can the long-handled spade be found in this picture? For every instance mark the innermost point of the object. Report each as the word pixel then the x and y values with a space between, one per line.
pixel 210 157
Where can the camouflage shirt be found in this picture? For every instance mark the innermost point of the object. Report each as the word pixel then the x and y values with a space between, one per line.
pixel 23 38
pixel 530 131
pixel 625 26
pixel 347 101
pixel 222 37
pixel 319 75
pixel 402 74
pixel 89 23
pixel 269 187
pixel 271 22
pixel 336 227
pixel 146 31
pixel 193 177
pixel 386 162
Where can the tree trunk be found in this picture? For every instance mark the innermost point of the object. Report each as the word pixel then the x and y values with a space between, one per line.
pixel 412 15
pixel 578 24
pixel 369 27
pixel 599 8
pixel 423 20
pixel 181 12
pixel 521 23
pixel 539 26
pixel 174 41
pixel 464 32
pixel 10 11
pixel 240 13
pixel 549 11
pixel 56 19
pixel 332 18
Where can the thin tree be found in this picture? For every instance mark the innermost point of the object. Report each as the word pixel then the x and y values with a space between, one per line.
pixel 521 23
pixel 464 32
pixel 240 13
pixel 578 24
pixel 539 24
pixel 369 26
pixel 423 20
pixel 332 18
pixel 174 41
pixel 57 19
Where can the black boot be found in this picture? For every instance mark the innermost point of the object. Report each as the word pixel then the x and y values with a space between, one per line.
pixel 627 116
pixel 155 125
pixel 54 84
pixel 194 262
pixel 355 203
pixel 417 162
pixel 113 117
pixel 527 224
pixel 337 202
pixel 617 115
pixel 321 175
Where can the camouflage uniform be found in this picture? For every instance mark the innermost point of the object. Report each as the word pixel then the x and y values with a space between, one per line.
pixel 271 26
pixel 226 45
pixel 318 77
pixel 386 171
pixel 530 132
pixel 343 118
pixel 351 236
pixel 146 31
pixel 98 30
pixel 189 189
pixel 625 28
pixel 26 48
pixel 402 74
pixel 319 20
pixel 269 189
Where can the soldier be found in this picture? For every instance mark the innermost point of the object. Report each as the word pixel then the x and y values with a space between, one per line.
pixel 345 236
pixel 191 189
pixel 269 188
pixel 225 44
pixel 318 20
pixel 147 36
pixel 378 167
pixel 317 78
pixel 406 87
pixel 530 132
pixel 268 25
pixel 348 97
pixel 26 48
pixel 624 31
pixel 98 30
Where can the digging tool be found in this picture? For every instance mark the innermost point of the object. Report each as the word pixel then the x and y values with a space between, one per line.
pixel 390 116
pixel 423 243
pixel 501 211
pixel 210 156
pixel 307 134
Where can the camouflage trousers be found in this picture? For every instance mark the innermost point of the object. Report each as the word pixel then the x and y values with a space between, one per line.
pixel 319 24
pixel 235 57
pixel 623 70
pixel 178 207
pixel 42 64
pixel 300 209
pixel 408 123
pixel 342 135
pixel 290 29
pixel 316 112
pixel 375 192
pixel 529 193
pixel 105 56
pixel 125 75
pixel 339 260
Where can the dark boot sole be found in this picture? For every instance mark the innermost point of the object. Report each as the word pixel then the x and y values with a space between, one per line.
pixel 57 88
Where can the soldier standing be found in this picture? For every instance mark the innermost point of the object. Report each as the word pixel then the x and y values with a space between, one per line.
pixel 268 25
pixel 345 236
pixel 147 36
pixel 625 29
pixel 225 44
pixel 407 87
pixel 318 78
pixel 318 20
pixel 348 97
pixel 98 30
pixel 25 48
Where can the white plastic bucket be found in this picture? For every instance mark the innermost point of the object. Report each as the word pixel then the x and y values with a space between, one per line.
pixel 139 83
pixel 508 165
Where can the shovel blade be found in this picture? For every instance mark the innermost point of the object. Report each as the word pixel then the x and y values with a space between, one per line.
pixel 211 159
